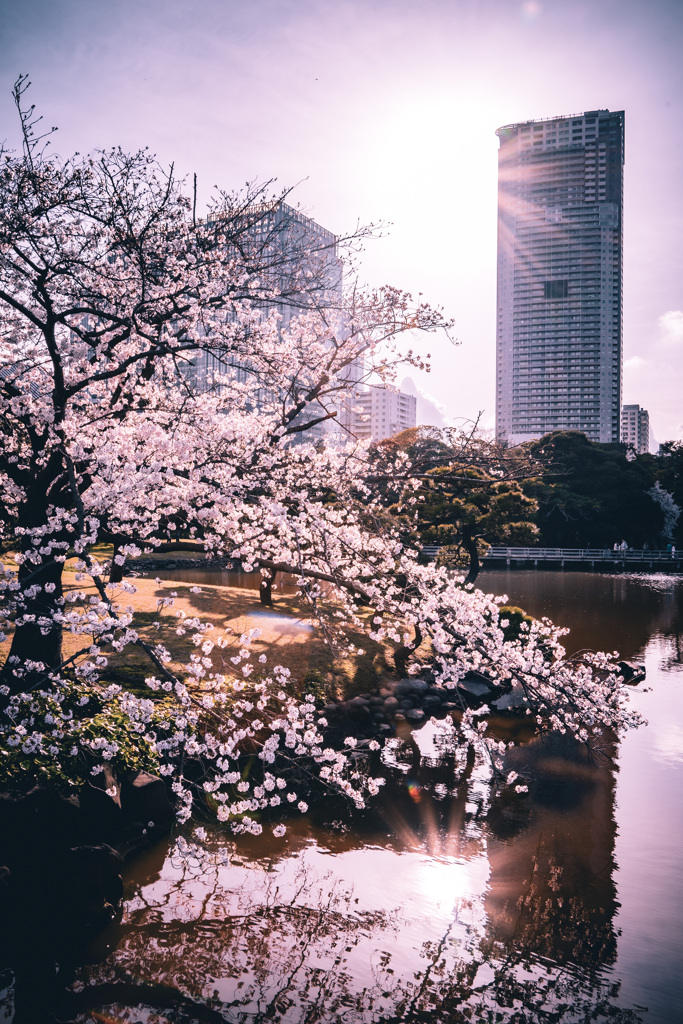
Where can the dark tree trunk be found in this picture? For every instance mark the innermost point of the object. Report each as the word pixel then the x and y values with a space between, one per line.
pixel 116 571
pixel 41 638
pixel 402 654
pixel 37 637
pixel 470 544
pixel 266 588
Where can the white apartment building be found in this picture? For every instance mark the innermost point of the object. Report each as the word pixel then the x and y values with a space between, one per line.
pixel 635 428
pixel 383 412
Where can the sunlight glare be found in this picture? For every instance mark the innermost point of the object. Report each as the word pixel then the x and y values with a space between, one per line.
pixel 446 883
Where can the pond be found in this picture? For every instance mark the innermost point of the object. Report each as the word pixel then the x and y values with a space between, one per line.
pixel 443 902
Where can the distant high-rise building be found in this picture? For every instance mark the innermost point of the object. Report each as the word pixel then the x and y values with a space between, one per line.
pixel 559 302
pixel 383 412
pixel 299 262
pixel 635 428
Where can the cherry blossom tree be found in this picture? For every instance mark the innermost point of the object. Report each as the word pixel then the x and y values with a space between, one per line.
pixel 150 392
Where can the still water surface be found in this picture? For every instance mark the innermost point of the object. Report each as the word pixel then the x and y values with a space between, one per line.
pixel 446 901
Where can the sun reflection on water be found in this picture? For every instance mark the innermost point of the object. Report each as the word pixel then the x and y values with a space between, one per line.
pixel 447 884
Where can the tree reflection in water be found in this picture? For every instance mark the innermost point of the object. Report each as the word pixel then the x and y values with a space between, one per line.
pixel 447 904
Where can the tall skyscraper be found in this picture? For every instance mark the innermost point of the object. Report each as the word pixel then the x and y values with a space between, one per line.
pixel 559 301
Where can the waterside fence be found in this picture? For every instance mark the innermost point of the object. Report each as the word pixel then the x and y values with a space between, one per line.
pixel 581 559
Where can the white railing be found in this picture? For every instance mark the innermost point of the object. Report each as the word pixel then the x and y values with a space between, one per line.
pixel 582 554
pixel 572 554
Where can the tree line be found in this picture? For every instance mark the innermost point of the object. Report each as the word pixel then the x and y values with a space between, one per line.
pixel 464 493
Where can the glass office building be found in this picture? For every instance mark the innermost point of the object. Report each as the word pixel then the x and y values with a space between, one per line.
pixel 559 298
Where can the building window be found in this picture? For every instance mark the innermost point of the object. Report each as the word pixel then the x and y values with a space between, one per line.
pixel 556 289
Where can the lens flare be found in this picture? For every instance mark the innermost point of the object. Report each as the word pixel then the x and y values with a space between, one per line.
pixel 414 790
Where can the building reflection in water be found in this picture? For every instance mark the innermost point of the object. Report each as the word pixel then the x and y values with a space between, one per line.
pixel 446 903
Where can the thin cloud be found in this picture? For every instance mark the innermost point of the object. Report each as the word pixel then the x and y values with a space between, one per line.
pixel 430 411
pixel 671 326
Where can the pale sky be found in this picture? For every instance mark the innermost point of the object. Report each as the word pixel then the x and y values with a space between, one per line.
pixel 386 110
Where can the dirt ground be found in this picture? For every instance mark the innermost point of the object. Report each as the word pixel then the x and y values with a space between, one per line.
pixel 287 637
